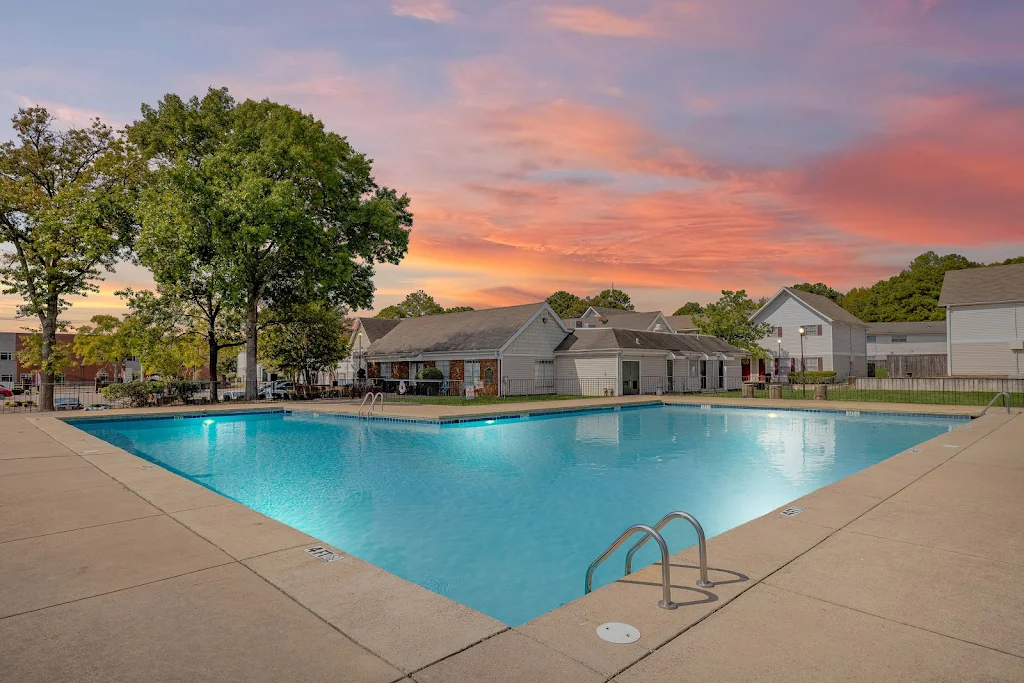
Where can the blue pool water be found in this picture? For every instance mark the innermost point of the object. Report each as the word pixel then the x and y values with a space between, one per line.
pixel 505 517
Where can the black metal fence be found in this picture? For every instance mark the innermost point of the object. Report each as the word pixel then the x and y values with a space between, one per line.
pixel 141 394
pixel 941 391
pixel 965 391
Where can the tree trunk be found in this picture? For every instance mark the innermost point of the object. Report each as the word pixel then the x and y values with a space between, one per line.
pixel 48 323
pixel 250 348
pixel 214 350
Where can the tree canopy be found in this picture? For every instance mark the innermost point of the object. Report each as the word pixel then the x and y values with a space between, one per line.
pixel 563 303
pixel 689 308
pixel 417 304
pixel 729 320
pixel 291 212
pixel 311 339
pixel 568 305
pixel 105 343
pixel 67 212
pixel 821 289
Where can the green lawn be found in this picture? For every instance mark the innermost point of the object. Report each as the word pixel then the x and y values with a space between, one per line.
pixel 843 393
pixel 482 400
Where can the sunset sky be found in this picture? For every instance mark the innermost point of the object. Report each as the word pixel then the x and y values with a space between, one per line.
pixel 673 148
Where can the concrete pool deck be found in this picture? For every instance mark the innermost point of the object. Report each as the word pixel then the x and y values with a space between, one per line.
pixel 113 569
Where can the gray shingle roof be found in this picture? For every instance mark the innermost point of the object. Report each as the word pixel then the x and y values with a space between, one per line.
pixel 484 330
pixel 925 327
pixel 681 323
pixel 376 328
pixel 990 284
pixel 828 308
pixel 614 339
pixel 627 320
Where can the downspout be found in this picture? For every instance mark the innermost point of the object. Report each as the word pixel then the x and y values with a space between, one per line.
pixel 949 346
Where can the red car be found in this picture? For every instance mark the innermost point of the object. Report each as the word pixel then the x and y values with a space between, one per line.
pixel 5 392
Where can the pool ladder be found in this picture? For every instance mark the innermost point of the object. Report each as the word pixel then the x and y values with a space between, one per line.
pixel 666 568
pixel 372 397
pixel 1006 401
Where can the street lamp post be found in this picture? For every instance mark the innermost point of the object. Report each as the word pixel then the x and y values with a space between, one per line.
pixel 778 362
pixel 803 368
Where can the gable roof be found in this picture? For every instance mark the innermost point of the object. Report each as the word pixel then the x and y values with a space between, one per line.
pixel 488 329
pixel 924 327
pixel 829 309
pixel 375 328
pixel 627 320
pixel 614 339
pixel 991 284
pixel 681 323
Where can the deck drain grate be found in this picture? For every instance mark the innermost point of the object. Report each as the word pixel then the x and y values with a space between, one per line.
pixel 621 634
pixel 323 554
pixel 789 512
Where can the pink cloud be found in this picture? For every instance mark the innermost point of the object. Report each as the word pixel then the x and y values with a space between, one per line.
pixel 439 11
pixel 597 21
pixel 953 172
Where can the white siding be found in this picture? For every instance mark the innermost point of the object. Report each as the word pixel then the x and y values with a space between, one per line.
pixel 593 374
pixel 916 345
pixel 789 314
pixel 841 347
pixel 517 367
pixel 539 339
pixel 652 366
pixel 980 338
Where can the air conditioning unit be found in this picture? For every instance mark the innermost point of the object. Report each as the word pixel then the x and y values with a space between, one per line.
pixel 1017 344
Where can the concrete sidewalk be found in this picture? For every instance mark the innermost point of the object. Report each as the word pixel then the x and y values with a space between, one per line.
pixel 908 570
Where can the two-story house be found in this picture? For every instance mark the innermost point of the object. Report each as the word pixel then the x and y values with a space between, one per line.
pixel 833 338
pixel 985 320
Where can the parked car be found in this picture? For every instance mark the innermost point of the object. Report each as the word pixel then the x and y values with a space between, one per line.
pixel 66 403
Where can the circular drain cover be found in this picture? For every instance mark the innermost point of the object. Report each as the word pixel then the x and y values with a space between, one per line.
pixel 615 632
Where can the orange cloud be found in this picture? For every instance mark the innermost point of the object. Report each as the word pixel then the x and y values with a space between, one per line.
pixel 597 21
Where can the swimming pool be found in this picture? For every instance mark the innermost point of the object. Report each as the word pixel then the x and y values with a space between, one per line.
pixel 504 516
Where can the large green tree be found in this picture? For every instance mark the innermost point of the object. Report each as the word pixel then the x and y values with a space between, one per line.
pixel 821 289
pixel 689 308
pixel 611 298
pixel 105 343
pixel 417 304
pixel 66 213
pixel 183 222
pixel 298 216
pixel 729 320
pixel 568 305
pixel 563 303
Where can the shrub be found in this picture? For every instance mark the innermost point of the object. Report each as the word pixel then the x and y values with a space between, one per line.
pixel 183 389
pixel 813 377
pixel 430 373
pixel 881 372
pixel 135 394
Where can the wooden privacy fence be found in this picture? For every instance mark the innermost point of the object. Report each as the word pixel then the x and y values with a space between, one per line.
pixel 921 365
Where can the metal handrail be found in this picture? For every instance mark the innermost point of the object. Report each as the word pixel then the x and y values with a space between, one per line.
pixel 702 546
pixel 362 405
pixel 666 585
pixel 996 398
